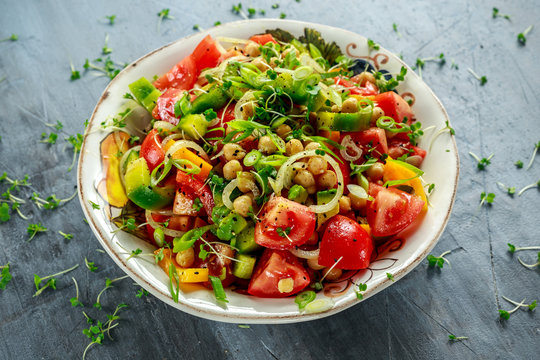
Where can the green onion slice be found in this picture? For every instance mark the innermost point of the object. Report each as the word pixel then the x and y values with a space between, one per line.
pixel 305 298
pixel 188 239
pixel 219 291
pixel 252 158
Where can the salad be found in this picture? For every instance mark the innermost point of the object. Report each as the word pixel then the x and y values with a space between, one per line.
pixel 268 165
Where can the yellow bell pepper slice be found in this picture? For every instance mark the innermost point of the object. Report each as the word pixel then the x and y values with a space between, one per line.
pixel 189 155
pixel 110 186
pixel 189 275
pixel 367 228
pixel 394 171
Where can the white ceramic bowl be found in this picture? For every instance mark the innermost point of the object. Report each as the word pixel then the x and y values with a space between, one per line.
pixel 441 167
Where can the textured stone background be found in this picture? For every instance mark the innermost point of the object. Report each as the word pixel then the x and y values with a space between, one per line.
pixel 411 319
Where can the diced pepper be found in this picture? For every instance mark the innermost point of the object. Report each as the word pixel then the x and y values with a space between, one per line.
pixel 245 241
pixel 357 121
pixel 138 189
pixel 205 167
pixel 298 193
pixel 194 125
pixel 189 275
pixel 323 198
pixel 110 187
pixel 231 226
pixel 145 93
pixel 394 171
pixel 243 268
pixel 215 99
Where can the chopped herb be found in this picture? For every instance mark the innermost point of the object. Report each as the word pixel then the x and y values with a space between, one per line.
pixel 90 265
pixel 456 338
pixel 94 205
pixel 33 229
pixel 219 291
pixel 275 6
pixel 522 36
pixel 481 163
pixel 75 300
pixel 197 204
pixel 51 282
pixel 495 14
pixel 51 139
pixel 66 236
pixel 243 326
pixel 141 293
pixel 486 198
pixel 111 19
pixel 360 288
pixel 438 260
pixel 390 276
pixel 519 164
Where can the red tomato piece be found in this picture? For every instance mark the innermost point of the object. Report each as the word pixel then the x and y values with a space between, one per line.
pixel 394 106
pixel 263 39
pixel 368 89
pixel 273 266
pixel 398 148
pixel 164 109
pixel 373 138
pixel 344 238
pixel 190 184
pixel 182 76
pixel 392 210
pixel 206 54
pixel 282 216
pixel 151 149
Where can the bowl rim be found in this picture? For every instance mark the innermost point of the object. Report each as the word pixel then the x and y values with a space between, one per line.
pixel 408 264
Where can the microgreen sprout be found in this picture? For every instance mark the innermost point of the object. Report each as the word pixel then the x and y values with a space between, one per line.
pixel 75 300
pixel 237 9
pixel 506 314
pixel 275 6
pixel 486 198
pixel 372 45
pixel 4 212
pixel 106 49
pixel 109 68
pixel 421 62
pixel 90 265
pixel 108 285
pixel 217 23
pixel 483 162
pixel 111 19
pixel 509 190
pixel 51 202
pixel 13 37
pixel 94 205
pixel 5 276
pixel 282 15
pixel 533 156
pixel 495 14
pixel 512 248
pixel 76 141
pixel 197 27
pixel 360 288
pixel 447 128
pixel 454 66
pixel 33 229
pixel 96 333
pixel 453 337
pixel 482 79
pixel 394 26
pixel 251 12
pixel 75 74
pixel 530 306
pixel 530 186
pixel 15 183
pixel 51 282
pixel 141 293
pixel 134 253
pixel 51 139
pixel 438 260
pixel 530 266
pixel 390 276
pixel 66 236
pixel 163 14
pixel 521 37
pixel 519 164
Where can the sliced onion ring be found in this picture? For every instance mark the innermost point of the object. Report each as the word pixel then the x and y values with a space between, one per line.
pixel 358 191
pixel 123 160
pixel 304 254
pixel 283 171
pixel 348 144
pixel 227 193
pixel 150 220
pixel 247 98
pixel 171 137
pixel 186 144
pixel 164 125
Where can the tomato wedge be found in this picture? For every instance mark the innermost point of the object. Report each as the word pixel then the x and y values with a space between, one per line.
pixel 367 90
pixel 284 224
pixel 263 39
pixel 191 185
pixel 394 106
pixel 344 238
pixel 206 54
pixel 372 141
pixel 275 266
pixel 392 210
pixel 182 76
pixel 151 149
pixel 164 109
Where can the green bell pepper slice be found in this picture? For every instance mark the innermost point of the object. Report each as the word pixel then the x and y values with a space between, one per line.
pixel 145 93
pixel 357 121
pixel 215 99
pixel 243 268
pixel 138 189
pixel 231 226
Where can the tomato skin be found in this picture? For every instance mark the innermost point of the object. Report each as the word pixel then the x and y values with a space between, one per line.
pixel 283 213
pixel 392 210
pixel 368 89
pixel 394 106
pixel 273 266
pixel 151 149
pixel 189 184
pixel 182 76
pixel 206 54
pixel 344 238
pixel 373 137
pixel 164 109
pixel 263 39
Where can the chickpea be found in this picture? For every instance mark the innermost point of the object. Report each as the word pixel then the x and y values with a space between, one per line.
pixel 283 130
pixel 375 171
pixel 395 152
pixel 233 151
pixel 377 113
pixel 350 105
pixel 266 145
pixel 246 181
pixel 327 180
pixel 226 251
pixel 415 160
pixel 311 190
pixel 314 264
pixel 317 165
pixel 231 168
pixel 363 77
pixel 260 64
pixel 344 204
pixel 312 116
pixel 242 204
pixel 335 108
pixel 357 203
pixel 312 146
pixel 252 49
pixel 304 178
pixel 294 146
pixel 313 239
pixel 332 274
pixel 185 258
pixel 247 110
